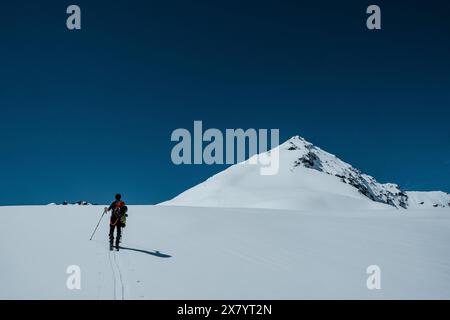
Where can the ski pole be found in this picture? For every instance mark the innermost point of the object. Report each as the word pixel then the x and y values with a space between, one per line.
pixel 104 211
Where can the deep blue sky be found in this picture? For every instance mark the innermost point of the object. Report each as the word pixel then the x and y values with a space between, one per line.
pixel 89 113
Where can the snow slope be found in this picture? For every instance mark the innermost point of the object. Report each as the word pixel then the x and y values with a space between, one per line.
pixel 214 253
pixel 309 178
pixel 427 200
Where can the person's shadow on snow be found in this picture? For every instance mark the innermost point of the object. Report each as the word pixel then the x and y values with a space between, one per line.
pixel 153 253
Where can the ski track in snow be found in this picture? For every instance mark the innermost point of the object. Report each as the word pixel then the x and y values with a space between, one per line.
pixel 117 277
pixel 122 290
pixel 113 274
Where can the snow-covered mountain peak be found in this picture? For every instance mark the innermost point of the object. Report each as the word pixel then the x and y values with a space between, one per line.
pixel 308 178
pixel 312 157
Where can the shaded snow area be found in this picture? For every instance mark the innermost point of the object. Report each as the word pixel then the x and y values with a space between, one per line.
pixel 309 178
pixel 224 253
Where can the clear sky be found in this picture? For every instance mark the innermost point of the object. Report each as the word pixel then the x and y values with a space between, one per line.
pixel 89 113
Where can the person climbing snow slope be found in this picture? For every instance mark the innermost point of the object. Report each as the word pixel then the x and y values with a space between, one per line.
pixel 118 214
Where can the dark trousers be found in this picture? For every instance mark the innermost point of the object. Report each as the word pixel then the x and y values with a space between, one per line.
pixel 111 233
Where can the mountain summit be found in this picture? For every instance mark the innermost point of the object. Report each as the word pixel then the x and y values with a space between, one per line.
pixel 309 178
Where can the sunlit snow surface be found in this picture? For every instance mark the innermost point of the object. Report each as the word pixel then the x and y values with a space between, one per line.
pixel 214 253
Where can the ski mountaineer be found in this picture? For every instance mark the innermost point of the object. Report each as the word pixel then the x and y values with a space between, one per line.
pixel 118 214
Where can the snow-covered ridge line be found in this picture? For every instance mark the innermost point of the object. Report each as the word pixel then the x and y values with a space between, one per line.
pixel 78 203
pixel 312 157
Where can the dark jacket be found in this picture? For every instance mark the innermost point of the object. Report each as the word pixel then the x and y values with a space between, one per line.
pixel 113 205
pixel 115 211
pixel 118 209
